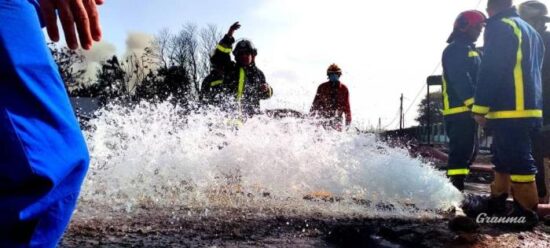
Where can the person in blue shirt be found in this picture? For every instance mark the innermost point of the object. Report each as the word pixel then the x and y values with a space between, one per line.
pixel 508 100
pixel 43 155
pixel 461 62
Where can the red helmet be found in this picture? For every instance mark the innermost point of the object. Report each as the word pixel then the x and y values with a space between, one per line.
pixel 465 21
pixel 469 19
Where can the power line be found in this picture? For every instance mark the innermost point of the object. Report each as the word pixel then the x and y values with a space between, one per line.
pixel 434 70
pixel 394 119
pixel 422 88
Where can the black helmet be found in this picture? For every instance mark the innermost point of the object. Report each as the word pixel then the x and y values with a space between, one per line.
pixel 245 46
pixel 532 10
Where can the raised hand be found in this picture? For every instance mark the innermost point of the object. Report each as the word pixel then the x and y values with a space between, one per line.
pixel 80 13
pixel 233 27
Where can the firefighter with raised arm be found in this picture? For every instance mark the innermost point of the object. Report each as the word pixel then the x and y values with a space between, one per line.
pixel 244 84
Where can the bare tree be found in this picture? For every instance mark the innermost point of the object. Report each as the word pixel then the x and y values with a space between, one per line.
pixel 190 43
pixel 159 51
pixel 189 49
pixel 210 36
pixel 136 68
pixel 70 64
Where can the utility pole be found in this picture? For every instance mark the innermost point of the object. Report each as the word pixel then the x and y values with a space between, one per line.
pixel 401 113
pixel 379 124
pixel 429 136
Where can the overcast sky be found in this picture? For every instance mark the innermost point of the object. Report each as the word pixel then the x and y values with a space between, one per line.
pixel 385 48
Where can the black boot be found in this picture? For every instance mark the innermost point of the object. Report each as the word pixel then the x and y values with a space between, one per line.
pixel 527 219
pixel 497 205
pixel 458 182
pixel 472 205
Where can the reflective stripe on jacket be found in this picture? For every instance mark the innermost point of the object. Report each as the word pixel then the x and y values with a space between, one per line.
pixel 460 67
pixel 509 84
pixel 242 84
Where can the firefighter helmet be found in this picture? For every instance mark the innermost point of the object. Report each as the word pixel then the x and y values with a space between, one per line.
pixel 333 68
pixel 533 10
pixel 245 46
pixel 469 19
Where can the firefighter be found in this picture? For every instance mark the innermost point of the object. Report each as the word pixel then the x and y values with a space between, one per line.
pixel 508 99
pixel 43 155
pixel 332 101
pixel 535 13
pixel 461 63
pixel 244 84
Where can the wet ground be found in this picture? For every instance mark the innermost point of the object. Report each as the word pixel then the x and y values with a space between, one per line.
pixel 251 230
pixel 248 228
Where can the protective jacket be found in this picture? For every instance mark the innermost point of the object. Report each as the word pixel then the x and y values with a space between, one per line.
pixel 509 87
pixel 461 63
pixel 546 79
pixel 212 89
pixel 241 84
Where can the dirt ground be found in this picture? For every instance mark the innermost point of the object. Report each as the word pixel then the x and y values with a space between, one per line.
pixel 249 230
pixel 246 228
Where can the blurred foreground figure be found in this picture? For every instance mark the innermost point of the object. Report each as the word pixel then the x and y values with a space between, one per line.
pixel 43 155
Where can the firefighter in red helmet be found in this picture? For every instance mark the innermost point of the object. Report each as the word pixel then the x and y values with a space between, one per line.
pixel 461 61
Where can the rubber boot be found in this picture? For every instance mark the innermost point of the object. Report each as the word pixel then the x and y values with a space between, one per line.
pixel 458 182
pixel 497 205
pixel 525 204
pixel 526 195
pixel 474 205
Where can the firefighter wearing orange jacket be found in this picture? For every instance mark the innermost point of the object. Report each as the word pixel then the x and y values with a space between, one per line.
pixel 332 101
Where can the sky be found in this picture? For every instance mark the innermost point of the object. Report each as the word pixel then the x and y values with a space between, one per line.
pixel 384 48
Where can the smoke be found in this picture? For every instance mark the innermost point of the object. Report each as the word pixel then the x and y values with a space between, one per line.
pixel 101 51
pixel 135 45
pixel 137 42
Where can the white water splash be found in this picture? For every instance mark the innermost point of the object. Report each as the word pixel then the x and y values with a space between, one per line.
pixel 148 155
